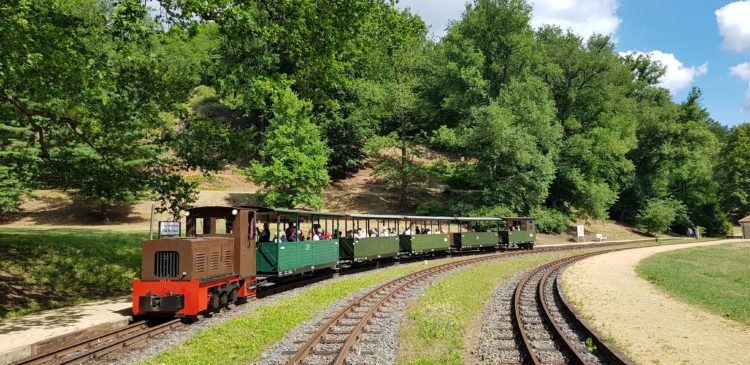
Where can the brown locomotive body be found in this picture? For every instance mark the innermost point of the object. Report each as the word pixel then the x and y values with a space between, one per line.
pixel 185 276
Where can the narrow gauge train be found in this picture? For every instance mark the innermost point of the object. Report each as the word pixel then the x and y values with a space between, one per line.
pixel 228 251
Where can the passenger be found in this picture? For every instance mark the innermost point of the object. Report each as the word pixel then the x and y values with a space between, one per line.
pixel 265 235
pixel 291 232
pixel 429 230
pixel 373 233
pixel 281 238
pixel 418 231
pixel 409 231
pixel 384 232
pixel 361 233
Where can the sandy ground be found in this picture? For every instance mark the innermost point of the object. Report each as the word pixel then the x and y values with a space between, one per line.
pixel 648 325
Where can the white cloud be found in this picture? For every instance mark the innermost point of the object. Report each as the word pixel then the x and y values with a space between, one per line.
pixel 677 76
pixel 582 17
pixel 743 72
pixel 734 25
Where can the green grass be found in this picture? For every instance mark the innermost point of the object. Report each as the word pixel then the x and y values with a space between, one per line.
pixel 244 339
pixel 435 325
pixel 716 278
pixel 46 269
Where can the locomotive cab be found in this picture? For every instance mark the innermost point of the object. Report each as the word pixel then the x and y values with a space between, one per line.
pixel 206 269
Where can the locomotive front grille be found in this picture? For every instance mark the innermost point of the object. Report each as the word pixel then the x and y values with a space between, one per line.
pixel 166 264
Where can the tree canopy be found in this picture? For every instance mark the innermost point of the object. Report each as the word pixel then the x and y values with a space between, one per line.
pixel 116 101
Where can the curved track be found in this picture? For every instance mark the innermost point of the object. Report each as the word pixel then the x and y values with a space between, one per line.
pixel 550 331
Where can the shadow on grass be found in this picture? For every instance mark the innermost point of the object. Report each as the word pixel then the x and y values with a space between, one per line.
pixel 47 269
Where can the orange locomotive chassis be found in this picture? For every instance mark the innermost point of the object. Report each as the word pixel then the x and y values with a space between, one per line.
pixel 183 298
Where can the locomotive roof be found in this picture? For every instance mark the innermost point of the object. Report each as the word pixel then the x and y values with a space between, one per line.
pixel 520 218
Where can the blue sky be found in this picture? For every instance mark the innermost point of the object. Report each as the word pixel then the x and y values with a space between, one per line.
pixel 702 43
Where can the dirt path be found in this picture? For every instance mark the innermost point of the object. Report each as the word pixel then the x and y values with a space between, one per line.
pixel 648 325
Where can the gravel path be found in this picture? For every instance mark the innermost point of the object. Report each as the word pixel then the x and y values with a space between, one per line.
pixel 648 325
pixel 378 344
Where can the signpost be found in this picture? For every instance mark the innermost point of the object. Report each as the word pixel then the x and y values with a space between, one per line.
pixel 580 232
pixel 169 229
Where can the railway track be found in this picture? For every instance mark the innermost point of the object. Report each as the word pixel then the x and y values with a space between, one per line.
pixel 335 339
pixel 101 345
pixel 361 313
pixel 550 332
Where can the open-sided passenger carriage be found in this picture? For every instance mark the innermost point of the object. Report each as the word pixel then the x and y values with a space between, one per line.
pixel 425 235
pixel 284 254
pixel 476 233
pixel 519 232
pixel 369 237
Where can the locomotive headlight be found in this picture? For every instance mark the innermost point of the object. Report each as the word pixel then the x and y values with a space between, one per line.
pixel 234 211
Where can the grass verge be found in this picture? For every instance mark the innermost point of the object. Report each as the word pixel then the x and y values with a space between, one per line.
pixel 716 277
pixel 436 323
pixel 244 339
pixel 47 269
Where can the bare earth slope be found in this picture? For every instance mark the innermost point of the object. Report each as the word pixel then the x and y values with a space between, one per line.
pixel 648 325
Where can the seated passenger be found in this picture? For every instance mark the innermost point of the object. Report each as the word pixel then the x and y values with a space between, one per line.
pixel 317 233
pixel 291 232
pixel 410 231
pixel 265 235
pixel 373 233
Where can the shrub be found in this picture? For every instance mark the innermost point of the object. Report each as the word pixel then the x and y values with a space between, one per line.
pixel 658 215
pixel 550 220
pixel 447 139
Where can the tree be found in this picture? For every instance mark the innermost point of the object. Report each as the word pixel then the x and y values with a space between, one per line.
pixel 292 171
pixel 390 94
pixel 657 215
pixel 514 141
pixel 99 84
pixel 733 172
pixel 18 161
pixel 590 86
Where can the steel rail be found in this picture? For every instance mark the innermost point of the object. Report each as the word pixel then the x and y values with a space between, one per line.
pixel 95 347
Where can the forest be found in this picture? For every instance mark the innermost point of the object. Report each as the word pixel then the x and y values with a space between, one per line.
pixel 113 100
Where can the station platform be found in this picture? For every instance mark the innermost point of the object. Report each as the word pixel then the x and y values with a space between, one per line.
pixel 30 335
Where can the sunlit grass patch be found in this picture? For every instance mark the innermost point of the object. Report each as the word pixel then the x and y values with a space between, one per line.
pixel 46 269
pixel 715 277
pixel 436 323
pixel 244 339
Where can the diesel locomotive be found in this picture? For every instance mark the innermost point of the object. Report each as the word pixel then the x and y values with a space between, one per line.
pixel 228 253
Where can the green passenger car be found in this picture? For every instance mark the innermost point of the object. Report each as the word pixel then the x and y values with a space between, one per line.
pixel 372 237
pixel 425 235
pixel 284 256
pixel 476 233
pixel 520 232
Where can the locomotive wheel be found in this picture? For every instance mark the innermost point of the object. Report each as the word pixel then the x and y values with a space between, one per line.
pixel 214 301
pixel 233 296
pixel 223 298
